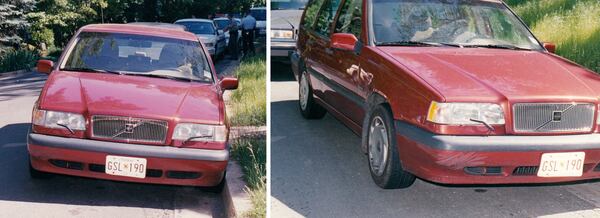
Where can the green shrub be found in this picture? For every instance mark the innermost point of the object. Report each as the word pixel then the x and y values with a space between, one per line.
pixel 18 60
pixel 249 102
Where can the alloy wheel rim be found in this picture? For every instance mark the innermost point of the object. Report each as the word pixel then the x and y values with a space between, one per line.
pixel 303 93
pixel 378 146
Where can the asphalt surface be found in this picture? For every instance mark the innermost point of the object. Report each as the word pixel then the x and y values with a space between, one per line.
pixel 317 170
pixel 65 196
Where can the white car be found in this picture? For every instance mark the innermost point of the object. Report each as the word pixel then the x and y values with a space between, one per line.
pixel 207 32
pixel 223 22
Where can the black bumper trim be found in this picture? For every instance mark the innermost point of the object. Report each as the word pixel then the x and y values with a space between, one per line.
pixel 498 143
pixel 128 149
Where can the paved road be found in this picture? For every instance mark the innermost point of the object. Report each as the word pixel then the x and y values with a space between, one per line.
pixel 317 170
pixel 63 196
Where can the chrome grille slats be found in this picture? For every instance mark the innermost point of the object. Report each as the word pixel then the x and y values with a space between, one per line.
pixel 539 117
pixel 142 130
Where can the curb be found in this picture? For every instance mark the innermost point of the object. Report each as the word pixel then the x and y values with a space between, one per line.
pixel 14 73
pixel 235 198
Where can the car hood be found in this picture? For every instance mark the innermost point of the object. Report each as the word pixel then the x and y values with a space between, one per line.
pixel 107 94
pixel 480 74
pixel 285 19
pixel 206 38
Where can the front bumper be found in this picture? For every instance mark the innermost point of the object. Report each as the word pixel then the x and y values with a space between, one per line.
pixel 282 47
pixel 515 159
pixel 165 164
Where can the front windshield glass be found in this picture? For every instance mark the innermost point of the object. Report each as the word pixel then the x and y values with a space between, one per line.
pixel 221 24
pixel 459 22
pixel 288 4
pixel 204 28
pixel 138 55
pixel 259 14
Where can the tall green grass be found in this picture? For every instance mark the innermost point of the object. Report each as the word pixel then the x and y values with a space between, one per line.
pixel 251 153
pixel 573 25
pixel 249 101
pixel 18 60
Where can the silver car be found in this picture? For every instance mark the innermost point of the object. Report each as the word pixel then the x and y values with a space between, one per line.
pixel 223 22
pixel 207 32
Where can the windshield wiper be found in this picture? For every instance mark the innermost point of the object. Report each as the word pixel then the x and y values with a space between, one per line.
pixel 416 43
pixel 490 127
pixel 511 47
pixel 196 137
pixel 66 127
pixel 92 70
pixel 164 77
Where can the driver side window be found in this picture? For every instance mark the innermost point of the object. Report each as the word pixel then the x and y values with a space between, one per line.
pixel 326 16
pixel 350 18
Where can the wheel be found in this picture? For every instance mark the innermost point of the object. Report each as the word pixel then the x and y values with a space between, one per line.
pixel 219 187
pixel 36 174
pixel 308 107
pixel 384 158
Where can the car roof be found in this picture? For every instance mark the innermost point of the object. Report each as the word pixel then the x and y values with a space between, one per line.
pixel 140 30
pixel 194 20
pixel 221 18
pixel 162 25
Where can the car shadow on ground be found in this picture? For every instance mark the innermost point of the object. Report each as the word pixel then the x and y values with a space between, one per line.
pixel 317 169
pixel 18 186
pixel 281 72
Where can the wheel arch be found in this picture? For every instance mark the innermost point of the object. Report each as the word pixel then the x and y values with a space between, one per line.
pixel 375 98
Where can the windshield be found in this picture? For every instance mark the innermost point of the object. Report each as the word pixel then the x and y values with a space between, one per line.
pixel 458 22
pixel 138 55
pixel 221 24
pixel 203 28
pixel 288 4
pixel 259 14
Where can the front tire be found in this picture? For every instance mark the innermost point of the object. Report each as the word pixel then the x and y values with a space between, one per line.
pixel 384 158
pixel 308 107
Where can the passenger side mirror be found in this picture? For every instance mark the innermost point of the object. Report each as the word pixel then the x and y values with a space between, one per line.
pixel 343 41
pixel 44 66
pixel 551 47
pixel 229 83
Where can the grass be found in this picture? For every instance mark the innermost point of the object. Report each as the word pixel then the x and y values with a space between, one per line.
pixel 18 60
pixel 249 101
pixel 573 25
pixel 251 153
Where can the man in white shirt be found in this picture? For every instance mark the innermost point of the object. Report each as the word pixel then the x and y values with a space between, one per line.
pixel 248 29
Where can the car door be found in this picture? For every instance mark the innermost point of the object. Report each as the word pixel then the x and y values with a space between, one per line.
pixel 321 55
pixel 346 69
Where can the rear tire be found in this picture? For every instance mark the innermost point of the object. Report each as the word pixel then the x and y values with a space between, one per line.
pixel 308 107
pixel 383 156
pixel 36 174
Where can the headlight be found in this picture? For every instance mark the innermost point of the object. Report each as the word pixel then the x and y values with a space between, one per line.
pixel 200 132
pixel 285 34
pixel 58 120
pixel 465 113
pixel 209 44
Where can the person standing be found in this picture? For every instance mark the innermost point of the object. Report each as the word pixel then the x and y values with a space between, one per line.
pixel 248 29
pixel 233 37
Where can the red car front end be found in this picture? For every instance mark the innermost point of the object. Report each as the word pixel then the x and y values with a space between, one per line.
pixel 130 111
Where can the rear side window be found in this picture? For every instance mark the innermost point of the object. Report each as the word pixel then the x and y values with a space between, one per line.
pixel 350 18
pixel 311 13
pixel 326 16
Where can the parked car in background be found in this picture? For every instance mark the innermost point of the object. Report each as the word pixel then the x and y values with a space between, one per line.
pixel 260 14
pixel 223 22
pixel 208 33
pixel 285 19
pixel 132 103
pixel 454 92
pixel 163 25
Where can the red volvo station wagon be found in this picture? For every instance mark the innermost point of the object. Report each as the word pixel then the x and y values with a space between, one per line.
pixel 132 103
pixel 453 92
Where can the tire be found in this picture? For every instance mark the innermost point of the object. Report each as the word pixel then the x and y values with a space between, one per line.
pixel 382 149
pixel 306 101
pixel 219 187
pixel 36 174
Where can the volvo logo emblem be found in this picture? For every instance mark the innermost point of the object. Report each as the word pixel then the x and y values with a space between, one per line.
pixel 129 128
pixel 557 116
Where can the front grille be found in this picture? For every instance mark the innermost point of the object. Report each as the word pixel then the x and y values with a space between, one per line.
pixel 129 129
pixel 544 117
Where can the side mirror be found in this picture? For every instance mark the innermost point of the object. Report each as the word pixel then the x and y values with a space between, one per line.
pixel 229 83
pixel 551 47
pixel 44 66
pixel 343 41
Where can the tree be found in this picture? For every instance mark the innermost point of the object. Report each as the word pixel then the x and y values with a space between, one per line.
pixel 13 23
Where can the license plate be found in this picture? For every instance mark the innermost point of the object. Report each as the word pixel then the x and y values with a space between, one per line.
pixel 125 166
pixel 561 164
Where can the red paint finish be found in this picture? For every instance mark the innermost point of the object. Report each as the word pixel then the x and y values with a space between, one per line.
pixel 133 96
pixel 409 78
